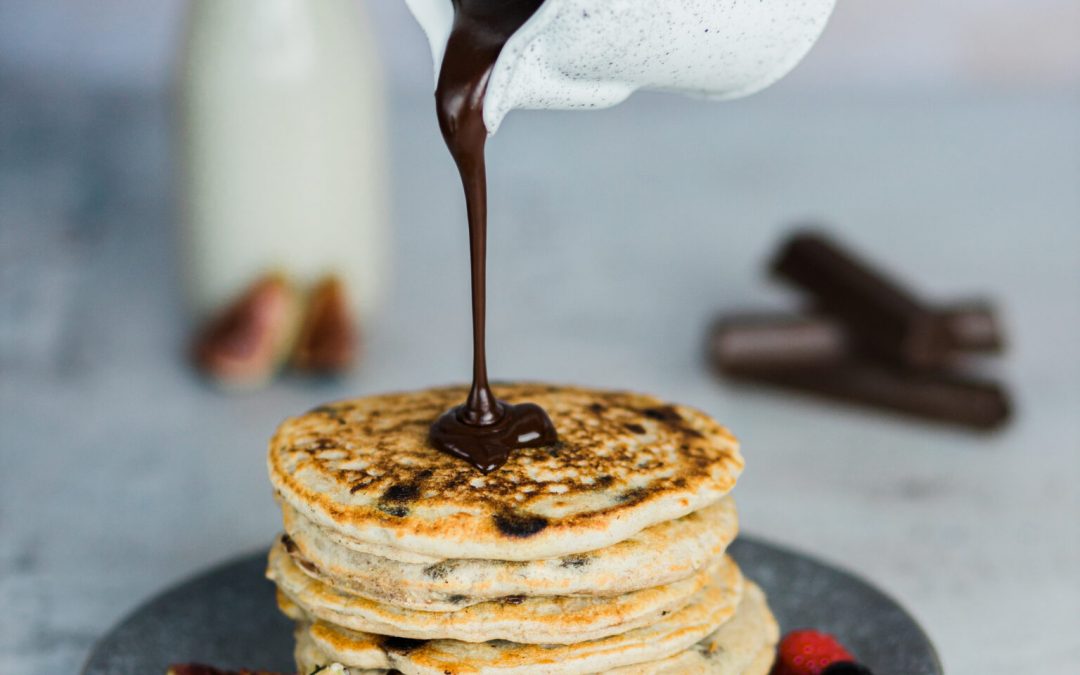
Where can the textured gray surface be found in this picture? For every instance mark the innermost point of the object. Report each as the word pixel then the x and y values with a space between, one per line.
pixel 616 235
pixel 227 617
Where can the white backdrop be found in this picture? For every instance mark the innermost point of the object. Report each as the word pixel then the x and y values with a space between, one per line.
pixel 870 44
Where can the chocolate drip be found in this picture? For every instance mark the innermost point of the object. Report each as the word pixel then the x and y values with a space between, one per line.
pixel 483 430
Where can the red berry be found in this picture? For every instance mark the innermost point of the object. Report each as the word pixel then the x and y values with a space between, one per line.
pixel 808 652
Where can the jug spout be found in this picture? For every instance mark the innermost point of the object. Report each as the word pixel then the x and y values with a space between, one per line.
pixel 595 53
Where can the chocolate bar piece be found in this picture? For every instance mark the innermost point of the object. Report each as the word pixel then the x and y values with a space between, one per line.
pixel 884 315
pixel 936 396
pixel 974 327
pixel 767 342
pixel 754 343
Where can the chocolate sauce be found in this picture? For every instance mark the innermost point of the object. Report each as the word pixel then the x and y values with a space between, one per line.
pixel 483 430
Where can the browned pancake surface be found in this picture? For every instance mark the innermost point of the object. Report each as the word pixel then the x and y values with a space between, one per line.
pixel 624 461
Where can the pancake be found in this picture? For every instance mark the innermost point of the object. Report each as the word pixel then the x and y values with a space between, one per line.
pixel 763 662
pixel 672 634
pixel 661 554
pixel 558 619
pixel 309 658
pixel 744 645
pixel 624 462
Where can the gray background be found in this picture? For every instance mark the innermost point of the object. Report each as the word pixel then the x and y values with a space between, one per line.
pixel 945 141
pixel 872 44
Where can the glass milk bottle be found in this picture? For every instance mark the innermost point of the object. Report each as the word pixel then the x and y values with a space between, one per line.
pixel 284 169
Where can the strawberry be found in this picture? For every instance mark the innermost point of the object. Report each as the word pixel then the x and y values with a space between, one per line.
pixel 808 652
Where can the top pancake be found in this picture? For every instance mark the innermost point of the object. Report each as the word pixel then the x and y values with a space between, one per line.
pixel 624 461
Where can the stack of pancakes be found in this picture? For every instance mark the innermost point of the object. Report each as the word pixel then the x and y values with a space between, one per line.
pixel 603 553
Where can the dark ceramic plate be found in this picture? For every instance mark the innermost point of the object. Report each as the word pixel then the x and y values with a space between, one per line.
pixel 227 617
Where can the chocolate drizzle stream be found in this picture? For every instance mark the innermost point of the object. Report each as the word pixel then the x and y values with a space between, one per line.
pixel 483 430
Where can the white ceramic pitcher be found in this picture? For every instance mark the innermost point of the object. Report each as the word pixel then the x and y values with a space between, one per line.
pixel 595 53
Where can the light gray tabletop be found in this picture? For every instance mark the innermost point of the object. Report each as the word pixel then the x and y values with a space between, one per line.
pixel 616 236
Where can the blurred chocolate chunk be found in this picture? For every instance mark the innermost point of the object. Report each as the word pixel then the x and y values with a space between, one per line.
pixel 943 397
pixel 762 342
pixel 328 338
pixel 974 327
pixel 867 341
pixel 886 317
pixel 752 343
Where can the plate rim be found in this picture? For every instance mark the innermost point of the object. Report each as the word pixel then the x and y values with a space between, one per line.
pixel 843 569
